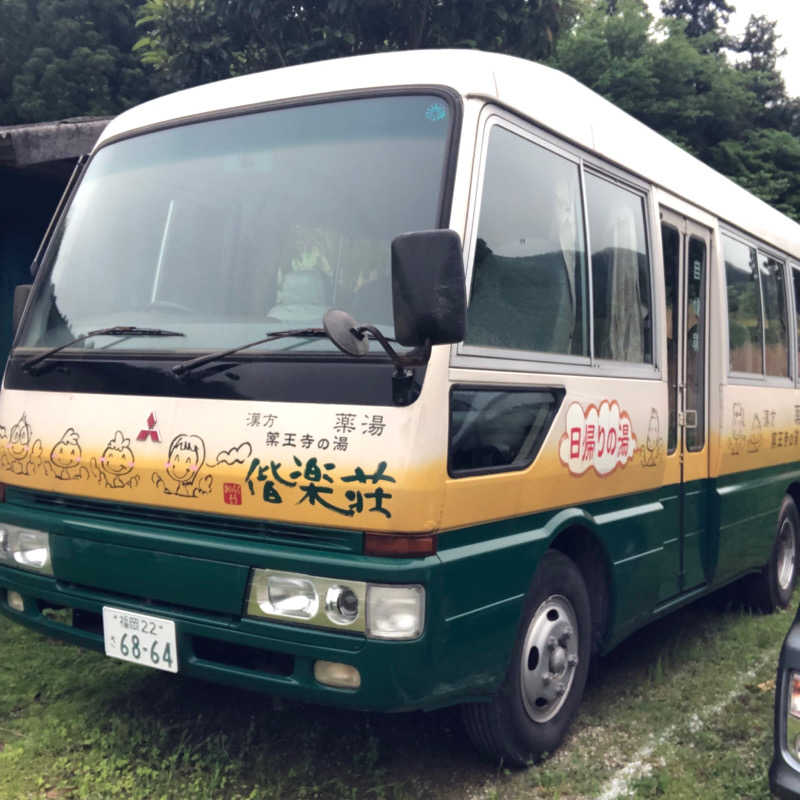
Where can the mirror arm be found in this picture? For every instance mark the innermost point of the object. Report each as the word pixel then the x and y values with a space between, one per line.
pixel 415 358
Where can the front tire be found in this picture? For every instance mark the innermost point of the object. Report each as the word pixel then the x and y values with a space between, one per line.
pixel 773 587
pixel 531 712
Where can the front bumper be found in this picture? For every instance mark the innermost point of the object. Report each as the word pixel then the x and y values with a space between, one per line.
pixel 246 653
pixel 197 575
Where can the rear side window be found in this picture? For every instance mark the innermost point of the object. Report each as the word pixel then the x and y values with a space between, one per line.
pixel 796 286
pixel 744 307
pixel 620 272
pixel 758 315
pixel 776 324
pixel 529 281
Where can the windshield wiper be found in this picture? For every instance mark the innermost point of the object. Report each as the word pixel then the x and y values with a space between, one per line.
pixel 187 366
pixel 118 330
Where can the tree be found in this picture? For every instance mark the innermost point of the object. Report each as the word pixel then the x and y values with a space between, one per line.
pixel 702 17
pixel 760 44
pixel 194 41
pixel 63 58
pixel 734 117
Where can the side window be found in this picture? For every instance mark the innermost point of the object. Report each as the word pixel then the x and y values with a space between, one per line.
pixel 695 342
pixel 672 259
pixel 529 283
pixel 796 285
pixel 776 324
pixel 744 307
pixel 620 272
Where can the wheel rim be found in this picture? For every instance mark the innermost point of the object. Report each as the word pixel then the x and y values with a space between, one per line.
pixel 549 658
pixel 786 555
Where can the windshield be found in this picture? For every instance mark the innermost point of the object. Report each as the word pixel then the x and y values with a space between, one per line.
pixel 228 229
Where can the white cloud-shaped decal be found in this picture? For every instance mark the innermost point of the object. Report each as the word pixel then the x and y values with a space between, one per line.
pixel 236 455
pixel 602 438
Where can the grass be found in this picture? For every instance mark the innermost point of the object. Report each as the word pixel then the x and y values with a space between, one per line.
pixel 689 699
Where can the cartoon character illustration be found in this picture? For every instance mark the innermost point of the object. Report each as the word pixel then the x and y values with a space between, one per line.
pixel 116 464
pixel 754 439
pixel 187 454
pixel 652 446
pixel 22 457
pixel 738 435
pixel 4 447
pixel 66 458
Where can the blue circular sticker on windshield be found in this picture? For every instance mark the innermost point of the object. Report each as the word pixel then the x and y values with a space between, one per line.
pixel 436 112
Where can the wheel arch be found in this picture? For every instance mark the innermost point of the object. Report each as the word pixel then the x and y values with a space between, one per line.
pixel 577 540
pixel 793 490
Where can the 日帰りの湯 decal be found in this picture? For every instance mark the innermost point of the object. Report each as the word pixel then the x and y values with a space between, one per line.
pixel 599 438
pixel 21 456
pixel 65 458
pixel 187 454
pixel 116 464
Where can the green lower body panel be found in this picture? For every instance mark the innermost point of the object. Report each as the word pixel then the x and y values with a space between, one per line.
pixel 655 550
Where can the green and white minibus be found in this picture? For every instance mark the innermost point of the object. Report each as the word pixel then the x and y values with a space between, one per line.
pixel 397 382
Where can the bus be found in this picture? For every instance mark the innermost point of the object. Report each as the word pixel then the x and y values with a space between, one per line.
pixel 398 382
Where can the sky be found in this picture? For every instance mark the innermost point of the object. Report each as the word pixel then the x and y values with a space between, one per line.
pixel 787 14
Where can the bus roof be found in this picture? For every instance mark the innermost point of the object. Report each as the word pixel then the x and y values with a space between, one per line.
pixel 544 95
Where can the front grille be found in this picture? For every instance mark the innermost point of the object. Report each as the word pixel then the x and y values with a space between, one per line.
pixel 237 655
pixel 211 524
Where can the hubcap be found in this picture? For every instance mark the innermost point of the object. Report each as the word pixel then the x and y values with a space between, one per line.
pixel 549 658
pixel 786 555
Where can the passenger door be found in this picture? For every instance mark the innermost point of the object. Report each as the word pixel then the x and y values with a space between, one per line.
pixel 687 247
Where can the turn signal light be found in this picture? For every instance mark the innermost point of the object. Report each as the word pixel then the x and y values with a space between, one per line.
pixel 399 545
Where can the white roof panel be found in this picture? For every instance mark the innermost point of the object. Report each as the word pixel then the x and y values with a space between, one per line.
pixel 547 97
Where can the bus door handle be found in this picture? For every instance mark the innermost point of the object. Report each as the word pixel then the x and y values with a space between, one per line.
pixel 688 418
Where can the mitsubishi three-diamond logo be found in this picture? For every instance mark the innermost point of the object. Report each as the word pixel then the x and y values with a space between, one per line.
pixel 150 432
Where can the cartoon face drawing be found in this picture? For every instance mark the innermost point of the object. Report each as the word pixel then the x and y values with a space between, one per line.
pixel 737 429
pixel 117 458
pixel 187 454
pixel 738 419
pixel 67 451
pixel 652 431
pixel 652 445
pixel 66 457
pixel 754 439
pixel 116 464
pixel 20 439
pixel 20 454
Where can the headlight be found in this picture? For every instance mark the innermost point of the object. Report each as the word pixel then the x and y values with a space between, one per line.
pixel 380 611
pixel 25 548
pixel 290 597
pixel 395 612
pixel 794 694
pixel 293 597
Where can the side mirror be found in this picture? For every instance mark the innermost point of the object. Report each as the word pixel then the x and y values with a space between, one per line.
pixel 21 294
pixel 428 288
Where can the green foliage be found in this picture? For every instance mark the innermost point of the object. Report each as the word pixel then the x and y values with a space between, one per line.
pixel 194 41
pixel 63 58
pixel 702 17
pixel 736 118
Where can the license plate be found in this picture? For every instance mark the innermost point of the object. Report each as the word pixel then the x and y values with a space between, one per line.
pixel 140 638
